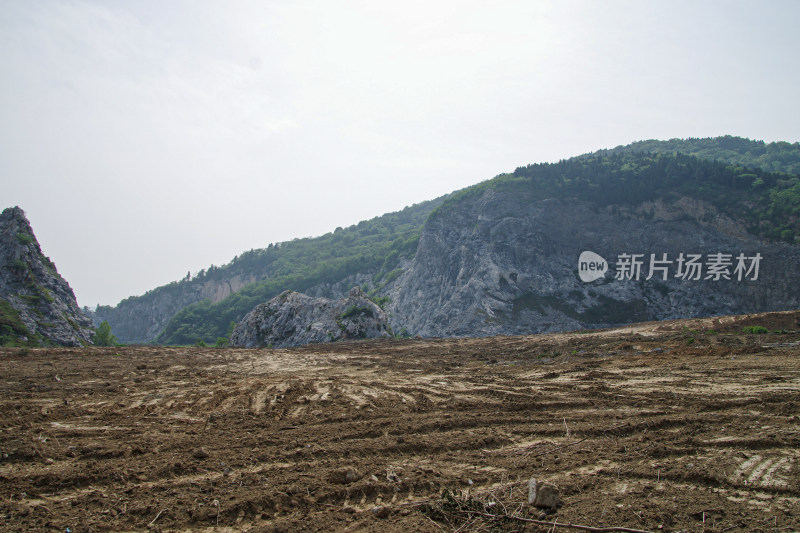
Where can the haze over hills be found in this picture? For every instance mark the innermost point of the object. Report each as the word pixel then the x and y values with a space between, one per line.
pixel 502 256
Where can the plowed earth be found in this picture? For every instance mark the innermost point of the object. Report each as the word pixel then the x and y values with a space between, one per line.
pixel 660 427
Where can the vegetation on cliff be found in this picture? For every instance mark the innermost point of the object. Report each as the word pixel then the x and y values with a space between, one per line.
pixel 13 331
pixel 778 156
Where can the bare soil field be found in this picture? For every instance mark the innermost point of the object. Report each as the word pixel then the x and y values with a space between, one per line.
pixel 686 425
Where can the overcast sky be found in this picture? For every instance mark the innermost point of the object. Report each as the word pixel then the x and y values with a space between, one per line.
pixel 147 139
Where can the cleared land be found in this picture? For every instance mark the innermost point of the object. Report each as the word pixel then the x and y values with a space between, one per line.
pixel 661 427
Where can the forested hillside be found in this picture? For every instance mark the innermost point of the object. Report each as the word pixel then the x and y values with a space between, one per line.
pixel 778 156
pixel 768 203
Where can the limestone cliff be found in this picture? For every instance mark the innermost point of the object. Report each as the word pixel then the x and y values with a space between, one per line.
pixel 293 319
pixel 37 306
pixel 507 263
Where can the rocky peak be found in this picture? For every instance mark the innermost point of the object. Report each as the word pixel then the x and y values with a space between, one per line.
pixel 293 319
pixel 37 306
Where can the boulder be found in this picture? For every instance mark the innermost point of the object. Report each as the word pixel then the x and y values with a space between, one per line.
pixel 543 495
pixel 293 319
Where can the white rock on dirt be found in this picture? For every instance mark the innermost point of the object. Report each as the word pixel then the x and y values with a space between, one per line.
pixel 382 511
pixel 543 495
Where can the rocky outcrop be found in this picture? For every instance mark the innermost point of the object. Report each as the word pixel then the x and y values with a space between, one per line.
pixel 294 319
pixel 503 263
pixel 37 304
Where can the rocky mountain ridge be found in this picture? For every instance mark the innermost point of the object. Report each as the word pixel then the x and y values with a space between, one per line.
pixel 501 256
pixel 37 306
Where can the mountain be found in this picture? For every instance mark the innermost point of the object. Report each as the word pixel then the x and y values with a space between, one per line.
pixel 370 254
pixel 502 256
pixel 293 319
pixel 37 306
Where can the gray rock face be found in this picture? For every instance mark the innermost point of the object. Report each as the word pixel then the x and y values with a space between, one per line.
pixel 294 319
pixel 508 264
pixel 31 285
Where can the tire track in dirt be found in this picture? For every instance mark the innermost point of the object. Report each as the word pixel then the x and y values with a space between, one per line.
pixel 639 431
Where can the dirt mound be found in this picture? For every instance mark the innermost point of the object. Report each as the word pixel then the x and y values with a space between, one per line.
pixel 667 428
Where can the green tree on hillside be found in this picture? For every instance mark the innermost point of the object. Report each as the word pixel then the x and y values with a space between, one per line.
pixel 103 335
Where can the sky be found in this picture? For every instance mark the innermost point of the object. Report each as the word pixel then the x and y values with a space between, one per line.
pixel 148 139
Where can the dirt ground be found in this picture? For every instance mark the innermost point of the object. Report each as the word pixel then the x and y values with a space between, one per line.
pixel 677 426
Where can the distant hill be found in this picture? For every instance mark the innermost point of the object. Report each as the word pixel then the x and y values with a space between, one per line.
pixel 370 254
pixel 37 306
pixel 734 188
